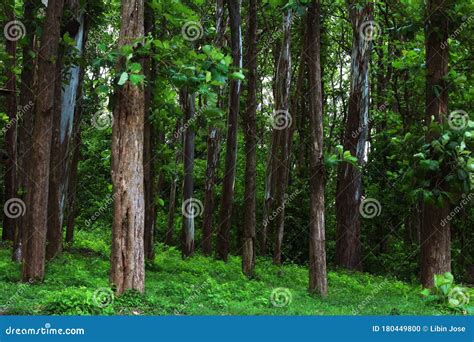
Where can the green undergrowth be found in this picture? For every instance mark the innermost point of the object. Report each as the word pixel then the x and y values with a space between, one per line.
pixel 76 283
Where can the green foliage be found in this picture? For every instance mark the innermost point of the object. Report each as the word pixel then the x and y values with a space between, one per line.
pixel 447 294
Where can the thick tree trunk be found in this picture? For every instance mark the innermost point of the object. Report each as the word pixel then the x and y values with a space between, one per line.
pixel 25 121
pixel 66 98
pixel 225 212
pixel 349 182
pixel 435 236
pixel 282 105
pixel 317 239
pixel 37 198
pixel 150 208
pixel 190 205
pixel 10 222
pixel 250 131
pixel 127 259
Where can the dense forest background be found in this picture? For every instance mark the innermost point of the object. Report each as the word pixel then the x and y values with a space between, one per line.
pixel 227 157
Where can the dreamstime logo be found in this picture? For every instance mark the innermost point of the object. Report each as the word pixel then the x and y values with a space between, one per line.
pixel 103 297
pixel 14 208
pixel 192 207
pixel 370 30
pixel 458 297
pixel 14 30
pixel 192 30
pixel 102 120
pixel 458 120
pixel 370 207
pixel 281 119
pixel 21 111
pixel 277 211
pixel 456 33
pixel 464 201
pixel 280 297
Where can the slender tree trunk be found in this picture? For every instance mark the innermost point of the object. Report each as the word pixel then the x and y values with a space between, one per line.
pixel 213 147
pixel 225 213
pixel 127 259
pixel 435 235
pixel 317 239
pixel 189 204
pixel 37 197
pixel 250 131
pixel 150 208
pixel 10 222
pixel 283 83
pixel 349 183
pixel 25 121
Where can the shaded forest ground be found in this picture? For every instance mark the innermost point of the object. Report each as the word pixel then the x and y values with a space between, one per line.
pixel 77 284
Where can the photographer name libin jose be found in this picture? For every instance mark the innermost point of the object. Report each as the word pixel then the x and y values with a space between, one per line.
pixel 419 328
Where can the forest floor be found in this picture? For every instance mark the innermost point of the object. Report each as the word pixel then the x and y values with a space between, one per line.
pixel 77 284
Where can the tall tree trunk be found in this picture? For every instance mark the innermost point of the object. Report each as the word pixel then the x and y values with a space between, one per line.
pixel 349 182
pixel 189 203
pixel 436 237
pixel 25 120
pixel 37 197
pixel 66 99
pixel 10 219
pixel 150 208
pixel 127 259
pixel 250 131
pixel 282 105
pixel 213 147
pixel 225 212
pixel 317 239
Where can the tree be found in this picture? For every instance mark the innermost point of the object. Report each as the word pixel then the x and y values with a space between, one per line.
pixel 250 131
pixel 436 236
pixel 282 115
pixel 213 147
pixel 10 223
pixel 38 188
pixel 187 236
pixel 317 239
pixel 349 181
pixel 225 212
pixel 127 258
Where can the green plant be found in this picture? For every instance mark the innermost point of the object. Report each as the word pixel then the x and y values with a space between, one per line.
pixel 447 293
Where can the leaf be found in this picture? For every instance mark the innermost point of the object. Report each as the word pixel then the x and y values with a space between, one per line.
pixel 237 75
pixel 137 79
pixel 135 68
pixel 123 78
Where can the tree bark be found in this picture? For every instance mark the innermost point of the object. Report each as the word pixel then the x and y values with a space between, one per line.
pixel 250 131
pixel 25 121
pixel 127 258
pixel 282 105
pixel 148 169
pixel 349 182
pixel 10 222
pixel 435 236
pixel 317 239
pixel 189 205
pixel 37 197
pixel 225 212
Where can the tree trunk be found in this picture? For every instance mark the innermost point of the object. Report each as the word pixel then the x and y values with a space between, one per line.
pixel 150 208
pixel 225 213
pixel 25 121
pixel 10 218
pixel 190 205
pixel 317 239
pixel 127 258
pixel 250 131
pixel 283 83
pixel 213 146
pixel 349 182
pixel 37 197
pixel 435 236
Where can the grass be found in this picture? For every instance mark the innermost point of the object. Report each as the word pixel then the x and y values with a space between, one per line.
pixel 77 284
